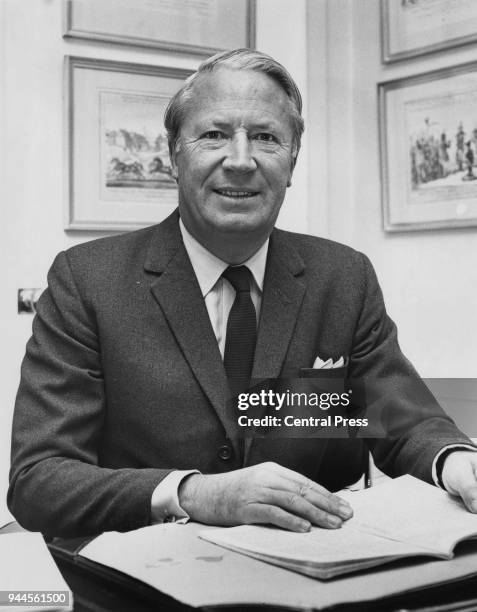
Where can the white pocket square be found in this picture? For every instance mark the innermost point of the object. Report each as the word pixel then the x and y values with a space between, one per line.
pixel 328 364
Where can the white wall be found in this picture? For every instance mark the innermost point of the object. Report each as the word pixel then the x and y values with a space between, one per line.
pixel 332 49
pixel 429 278
pixel 281 32
pixel 32 161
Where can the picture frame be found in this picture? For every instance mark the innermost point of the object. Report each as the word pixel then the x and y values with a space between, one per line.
pixel 428 147
pixel 118 174
pixel 208 26
pixel 411 28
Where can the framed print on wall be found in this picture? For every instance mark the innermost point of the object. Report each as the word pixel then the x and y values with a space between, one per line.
pixel 428 139
pixel 416 27
pixel 195 26
pixel 118 172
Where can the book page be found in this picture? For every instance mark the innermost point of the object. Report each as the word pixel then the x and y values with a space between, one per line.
pixel 318 546
pixel 410 510
pixel 402 517
pixel 174 560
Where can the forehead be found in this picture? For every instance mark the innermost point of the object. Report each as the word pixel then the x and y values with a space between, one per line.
pixel 236 93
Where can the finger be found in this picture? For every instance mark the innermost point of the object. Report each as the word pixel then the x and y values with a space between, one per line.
pixel 299 506
pixel 332 504
pixel 460 477
pixel 297 478
pixel 469 495
pixel 300 480
pixel 268 514
pixel 318 496
pixel 466 487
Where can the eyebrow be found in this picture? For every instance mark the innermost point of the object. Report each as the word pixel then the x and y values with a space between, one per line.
pixel 220 124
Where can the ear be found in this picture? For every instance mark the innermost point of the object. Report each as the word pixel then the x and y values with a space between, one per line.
pixel 292 167
pixel 173 151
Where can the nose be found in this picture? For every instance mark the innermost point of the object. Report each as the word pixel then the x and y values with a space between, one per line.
pixel 239 156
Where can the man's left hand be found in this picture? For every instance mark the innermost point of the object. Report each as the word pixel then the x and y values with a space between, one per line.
pixel 459 476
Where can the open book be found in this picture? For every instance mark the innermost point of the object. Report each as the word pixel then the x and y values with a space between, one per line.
pixel 402 518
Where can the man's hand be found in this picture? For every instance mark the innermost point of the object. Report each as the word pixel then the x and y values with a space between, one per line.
pixel 459 476
pixel 264 493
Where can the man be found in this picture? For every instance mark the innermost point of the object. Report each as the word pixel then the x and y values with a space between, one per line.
pixel 122 416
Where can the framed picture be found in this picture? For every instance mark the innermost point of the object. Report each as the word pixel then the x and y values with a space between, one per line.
pixel 118 171
pixel 207 25
pixel 416 27
pixel 428 137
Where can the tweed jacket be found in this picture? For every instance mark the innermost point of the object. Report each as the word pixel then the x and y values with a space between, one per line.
pixel 123 380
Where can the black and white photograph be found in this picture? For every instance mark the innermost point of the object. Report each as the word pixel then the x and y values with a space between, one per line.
pixel 198 26
pixel 429 124
pixel 239 314
pixel 134 151
pixel 412 28
pixel 111 117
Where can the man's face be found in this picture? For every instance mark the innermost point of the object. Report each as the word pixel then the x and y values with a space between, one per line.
pixel 233 160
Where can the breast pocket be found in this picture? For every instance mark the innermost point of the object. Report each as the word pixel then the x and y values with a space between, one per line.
pixel 324 373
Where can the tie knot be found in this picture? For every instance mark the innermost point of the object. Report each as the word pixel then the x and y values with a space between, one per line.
pixel 239 277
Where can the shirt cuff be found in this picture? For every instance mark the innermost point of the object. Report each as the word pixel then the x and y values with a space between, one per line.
pixel 438 462
pixel 165 507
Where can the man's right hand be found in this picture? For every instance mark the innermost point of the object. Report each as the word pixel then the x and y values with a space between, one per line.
pixel 265 493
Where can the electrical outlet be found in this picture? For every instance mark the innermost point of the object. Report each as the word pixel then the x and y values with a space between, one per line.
pixel 27 299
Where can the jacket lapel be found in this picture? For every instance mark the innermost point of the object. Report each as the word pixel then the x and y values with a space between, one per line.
pixel 283 293
pixel 178 294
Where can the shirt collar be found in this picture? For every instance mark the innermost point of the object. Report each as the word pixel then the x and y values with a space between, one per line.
pixel 208 268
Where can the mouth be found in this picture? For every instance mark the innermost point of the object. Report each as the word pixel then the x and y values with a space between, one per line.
pixel 236 194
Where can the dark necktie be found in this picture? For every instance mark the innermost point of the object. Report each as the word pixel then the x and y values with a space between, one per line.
pixel 241 330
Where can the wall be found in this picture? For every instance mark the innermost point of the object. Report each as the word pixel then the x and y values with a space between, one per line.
pixel 332 49
pixel 429 279
pixel 32 162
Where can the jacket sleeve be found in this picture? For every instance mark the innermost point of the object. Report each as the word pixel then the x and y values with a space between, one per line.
pixel 407 427
pixel 56 484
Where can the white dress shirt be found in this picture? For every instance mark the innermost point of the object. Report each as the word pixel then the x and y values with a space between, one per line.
pixel 219 295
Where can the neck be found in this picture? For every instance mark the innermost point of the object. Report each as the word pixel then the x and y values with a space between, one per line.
pixel 234 250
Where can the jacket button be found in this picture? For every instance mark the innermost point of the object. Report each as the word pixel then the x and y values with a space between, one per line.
pixel 225 452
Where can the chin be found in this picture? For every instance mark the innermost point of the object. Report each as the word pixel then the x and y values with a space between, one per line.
pixel 239 224
pixel 241 219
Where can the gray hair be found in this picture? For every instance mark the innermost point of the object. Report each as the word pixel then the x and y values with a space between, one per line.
pixel 238 59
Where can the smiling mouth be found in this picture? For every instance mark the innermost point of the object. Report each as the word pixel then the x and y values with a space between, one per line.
pixel 240 194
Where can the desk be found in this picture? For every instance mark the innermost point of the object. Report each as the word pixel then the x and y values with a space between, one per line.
pixel 97 588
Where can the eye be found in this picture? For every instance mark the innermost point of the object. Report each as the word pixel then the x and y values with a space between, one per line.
pixel 265 137
pixel 213 135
